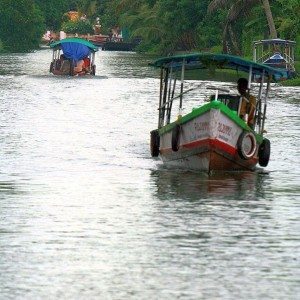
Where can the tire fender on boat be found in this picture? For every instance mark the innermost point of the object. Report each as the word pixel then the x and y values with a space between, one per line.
pixel 51 67
pixel 264 152
pixel 176 137
pixel 93 70
pixel 246 145
pixel 71 72
pixel 154 143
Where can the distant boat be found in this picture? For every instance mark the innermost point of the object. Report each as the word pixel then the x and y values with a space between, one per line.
pixel 118 46
pixel 68 52
pixel 276 53
pixel 107 43
pixel 214 136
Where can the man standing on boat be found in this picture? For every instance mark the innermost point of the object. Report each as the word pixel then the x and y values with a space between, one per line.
pixel 247 110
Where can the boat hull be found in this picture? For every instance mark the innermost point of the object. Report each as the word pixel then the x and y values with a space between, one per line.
pixel 208 140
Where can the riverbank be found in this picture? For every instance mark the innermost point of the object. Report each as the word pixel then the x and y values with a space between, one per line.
pixel 294 81
pixel 291 82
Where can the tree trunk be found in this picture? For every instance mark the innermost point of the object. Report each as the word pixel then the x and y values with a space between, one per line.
pixel 225 40
pixel 268 12
pixel 234 42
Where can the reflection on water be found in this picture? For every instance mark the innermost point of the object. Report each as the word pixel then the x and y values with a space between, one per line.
pixel 86 213
pixel 194 186
pixel 8 188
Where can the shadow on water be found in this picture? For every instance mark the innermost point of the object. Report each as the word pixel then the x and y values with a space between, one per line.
pixel 62 78
pixel 218 210
pixel 194 186
pixel 8 188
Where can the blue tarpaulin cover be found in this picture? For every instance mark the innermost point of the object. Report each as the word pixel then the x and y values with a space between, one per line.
pixel 75 51
pixel 275 59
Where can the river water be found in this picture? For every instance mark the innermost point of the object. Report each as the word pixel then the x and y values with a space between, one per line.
pixel 86 213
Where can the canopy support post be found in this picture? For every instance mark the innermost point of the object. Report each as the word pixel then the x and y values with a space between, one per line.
pixel 181 88
pixel 265 105
pixel 250 77
pixel 164 92
pixel 169 95
pixel 258 105
pixel 160 97
pixel 172 96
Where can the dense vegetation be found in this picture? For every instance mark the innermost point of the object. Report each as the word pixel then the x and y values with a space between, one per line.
pixel 22 22
pixel 164 26
pixel 21 25
pixel 222 25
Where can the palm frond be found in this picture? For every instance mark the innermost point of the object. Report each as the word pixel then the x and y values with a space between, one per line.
pixel 241 8
pixel 125 5
pixel 217 4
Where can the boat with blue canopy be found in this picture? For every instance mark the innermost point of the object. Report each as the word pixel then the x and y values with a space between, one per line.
pixel 73 56
pixel 223 130
pixel 276 53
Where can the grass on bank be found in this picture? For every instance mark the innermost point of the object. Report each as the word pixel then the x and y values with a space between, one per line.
pixel 294 81
pixel 291 82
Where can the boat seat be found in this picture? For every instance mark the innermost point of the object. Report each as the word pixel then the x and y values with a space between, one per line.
pixel 230 101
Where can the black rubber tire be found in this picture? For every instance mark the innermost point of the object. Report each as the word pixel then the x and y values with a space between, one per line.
pixel 51 67
pixel 71 72
pixel 175 137
pixel 264 152
pixel 154 143
pixel 93 70
pixel 240 147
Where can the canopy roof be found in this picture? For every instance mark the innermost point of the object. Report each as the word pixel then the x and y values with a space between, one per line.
pixel 216 61
pixel 275 41
pixel 75 40
pixel 275 59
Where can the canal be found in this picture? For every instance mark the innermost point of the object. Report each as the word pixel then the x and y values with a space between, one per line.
pixel 86 213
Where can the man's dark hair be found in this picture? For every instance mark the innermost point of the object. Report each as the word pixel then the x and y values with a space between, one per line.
pixel 242 81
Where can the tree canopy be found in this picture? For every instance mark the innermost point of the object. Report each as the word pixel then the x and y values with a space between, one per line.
pixel 21 25
pixel 163 26
pixel 166 26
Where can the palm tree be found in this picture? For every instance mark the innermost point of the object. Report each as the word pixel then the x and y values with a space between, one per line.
pixel 88 7
pixel 236 10
pixel 268 12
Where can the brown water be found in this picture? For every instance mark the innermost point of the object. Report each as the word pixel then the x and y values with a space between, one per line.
pixel 86 213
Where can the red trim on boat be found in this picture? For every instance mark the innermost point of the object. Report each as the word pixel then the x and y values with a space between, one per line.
pixel 217 147
pixel 211 143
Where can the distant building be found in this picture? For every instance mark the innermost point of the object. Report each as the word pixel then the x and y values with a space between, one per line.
pixel 73 15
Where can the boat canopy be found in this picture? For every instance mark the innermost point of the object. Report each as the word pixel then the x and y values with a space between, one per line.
pixel 75 48
pixel 216 61
pixel 275 41
pixel 275 59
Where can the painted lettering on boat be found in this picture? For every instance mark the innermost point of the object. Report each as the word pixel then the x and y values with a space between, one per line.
pixel 201 130
pixel 202 126
pixel 225 129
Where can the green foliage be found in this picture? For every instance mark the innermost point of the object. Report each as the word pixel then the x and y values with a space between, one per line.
pixel 52 11
pixel 292 82
pixel 21 25
pixel 216 49
pixel 164 26
pixel 88 7
pixel 167 26
pixel 288 21
pixel 297 52
pixel 1 46
pixel 80 27
pixel 109 15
